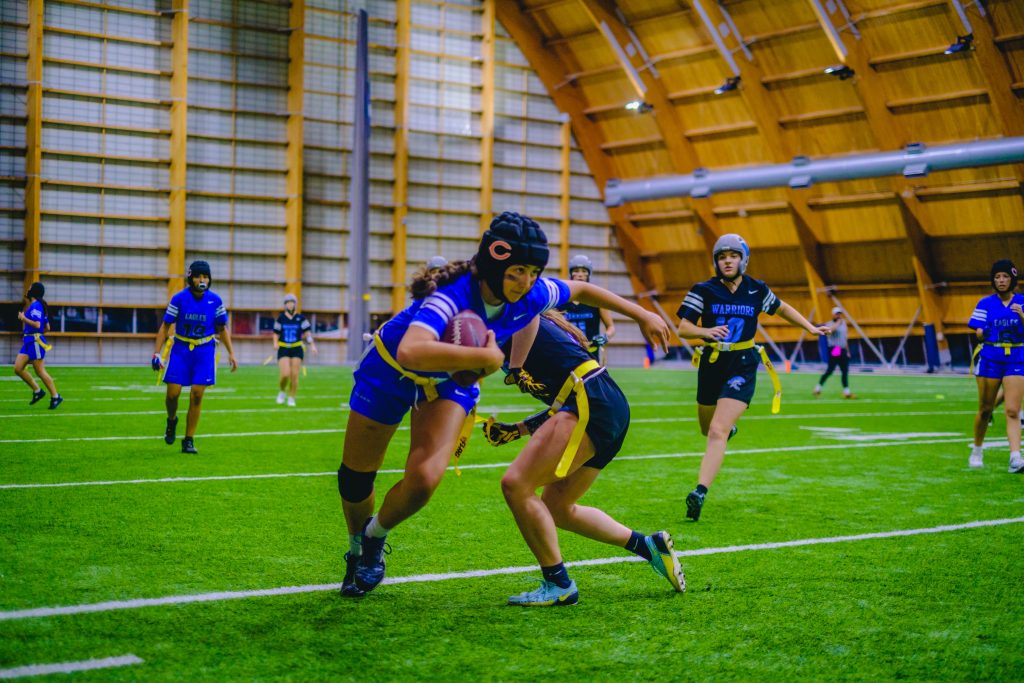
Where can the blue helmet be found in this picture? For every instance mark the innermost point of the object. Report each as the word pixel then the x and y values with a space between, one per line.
pixel 731 242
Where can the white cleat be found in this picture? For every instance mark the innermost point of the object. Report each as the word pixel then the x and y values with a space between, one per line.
pixel 291 401
pixel 280 398
pixel 976 461
pixel 1016 466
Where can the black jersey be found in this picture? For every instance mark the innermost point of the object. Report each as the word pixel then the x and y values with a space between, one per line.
pixel 291 330
pixel 710 304
pixel 587 318
pixel 554 355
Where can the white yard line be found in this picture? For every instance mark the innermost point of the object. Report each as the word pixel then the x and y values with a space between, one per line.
pixel 114 605
pixel 480 466
pixel 69 667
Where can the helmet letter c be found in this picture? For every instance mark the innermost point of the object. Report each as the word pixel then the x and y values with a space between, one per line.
pixel 501 250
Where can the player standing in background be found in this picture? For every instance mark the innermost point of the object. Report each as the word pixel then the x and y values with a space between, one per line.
pixel 838 353
pixel 998 322
pixel 588 318
pixel 728 306
pixel 434 265
pixel 36 323
pixel 186 348
pixel 291 330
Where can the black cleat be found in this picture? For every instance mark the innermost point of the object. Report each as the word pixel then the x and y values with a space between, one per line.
pixel 349 589
pixel 694 503
pixel 37 396
pixel 188 447
pixel 56 401
pixel 172 425
pixel 732 432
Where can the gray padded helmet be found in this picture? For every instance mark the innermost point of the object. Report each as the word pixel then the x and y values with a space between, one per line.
pixel 731 242
pixel 436 262
pixel 581 261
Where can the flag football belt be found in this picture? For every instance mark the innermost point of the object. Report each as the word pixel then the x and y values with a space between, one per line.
pixel 38 339
pixel 289 345
pixel 429 386
pixel 575 384
pixel 719 347
pixel 1005 346
pixel 192 344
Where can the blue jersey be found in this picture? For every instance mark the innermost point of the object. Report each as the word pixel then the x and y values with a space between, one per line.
pixel 712 303
pixel 195 318
pixel 35 313
pixel 1000 325
pixel 293 329
pixel 434 312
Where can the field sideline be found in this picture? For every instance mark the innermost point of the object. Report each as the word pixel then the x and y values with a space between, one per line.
pixel 843 539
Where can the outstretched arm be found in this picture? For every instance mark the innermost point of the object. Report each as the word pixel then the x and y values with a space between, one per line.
pixel 654 329
pixel 793 317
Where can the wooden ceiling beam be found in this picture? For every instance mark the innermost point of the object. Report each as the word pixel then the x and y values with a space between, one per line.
pixel 570 100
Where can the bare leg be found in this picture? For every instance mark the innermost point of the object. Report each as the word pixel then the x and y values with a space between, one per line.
pixel 591 522
pixel 435 430
pixel 19 369
pixel 283 368
pixel 195 405
pixel 171 400
pixel 366 443
pixel 40 367
pixel 726 414
pixel 987 390
pixel 294 364
pixel 1014 387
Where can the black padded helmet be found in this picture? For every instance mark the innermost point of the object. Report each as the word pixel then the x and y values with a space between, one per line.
pixel 1004 266
pixel 511 240
pixel 198 268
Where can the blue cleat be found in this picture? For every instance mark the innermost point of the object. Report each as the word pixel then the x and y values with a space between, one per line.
pixel 349 589
pixel 548 595
pixel 694 503
pixel 664 560
pixel 370 567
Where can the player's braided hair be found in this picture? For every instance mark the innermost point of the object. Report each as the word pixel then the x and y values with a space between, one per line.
pixel 424 284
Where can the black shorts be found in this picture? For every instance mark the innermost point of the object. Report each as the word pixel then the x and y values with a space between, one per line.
pixel 609 418
pixel 732 375
pixel 293 352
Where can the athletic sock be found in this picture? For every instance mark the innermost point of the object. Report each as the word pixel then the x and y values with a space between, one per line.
pixel 557 574
pixel 977 450
pixel 355 545
pixel 637 544
pixel 375 530
pixel 702 489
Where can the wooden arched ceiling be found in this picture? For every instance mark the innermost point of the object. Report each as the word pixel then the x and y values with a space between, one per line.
pixel 890 246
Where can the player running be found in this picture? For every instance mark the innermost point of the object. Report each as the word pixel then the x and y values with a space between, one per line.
pixel 728 306
pixel 292 331
pixel 186 348
pixel 573 440
pixel 35 324
pixel 998 322
pixel 588 318
pixel 408 366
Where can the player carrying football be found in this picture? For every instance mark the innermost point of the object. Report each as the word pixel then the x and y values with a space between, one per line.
pixel 727 306
pixel 408 366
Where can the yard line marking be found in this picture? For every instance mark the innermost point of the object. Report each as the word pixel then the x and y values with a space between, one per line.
pixel 68 667
pixel 643 420
pixel 115 605
pixel 482 466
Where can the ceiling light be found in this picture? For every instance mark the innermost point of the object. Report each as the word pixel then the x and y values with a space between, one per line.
pixel 841 71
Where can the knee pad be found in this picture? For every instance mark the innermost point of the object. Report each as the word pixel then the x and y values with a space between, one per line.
pixel 353 486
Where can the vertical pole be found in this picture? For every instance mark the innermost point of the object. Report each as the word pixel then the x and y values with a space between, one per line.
pixel 566 194
pixel 179 145
pixel 359 253
pixel 296 96
pixel 33 140
pixel 400 165
pixel 487 118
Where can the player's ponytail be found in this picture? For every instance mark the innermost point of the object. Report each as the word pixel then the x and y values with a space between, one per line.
pixel 576 333
pixel 424 284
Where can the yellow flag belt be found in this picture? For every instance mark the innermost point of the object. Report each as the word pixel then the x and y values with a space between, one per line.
pixel 719 347
pixel 165 352
pixel 574 384
pixel 38 337
pixel 1006 346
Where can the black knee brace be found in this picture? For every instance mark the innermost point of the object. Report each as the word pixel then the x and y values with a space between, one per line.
pixel 353 486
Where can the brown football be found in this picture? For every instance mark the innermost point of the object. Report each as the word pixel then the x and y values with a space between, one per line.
pixel 466 329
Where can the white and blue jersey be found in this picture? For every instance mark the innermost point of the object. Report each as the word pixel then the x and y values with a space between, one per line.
pixel 32 345
pixel 193 354
pixel 1000 326
pixel 382 394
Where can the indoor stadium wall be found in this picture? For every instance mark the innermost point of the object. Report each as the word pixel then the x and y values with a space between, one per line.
pixel 95 147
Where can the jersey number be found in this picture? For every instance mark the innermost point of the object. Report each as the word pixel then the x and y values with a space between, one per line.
pixel 194 331
pixel 735 327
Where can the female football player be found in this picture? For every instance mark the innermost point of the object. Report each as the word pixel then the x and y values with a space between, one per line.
pixel 727 306
pixel 588 318
pixel 998 322
pixel 291 332
pixel 573 440
pixel 408 366
pixel 36 323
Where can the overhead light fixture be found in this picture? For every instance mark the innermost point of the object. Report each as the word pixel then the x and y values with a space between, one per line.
pixel 841 71
pixel 962 43
pixel 730 84
pixel 639 106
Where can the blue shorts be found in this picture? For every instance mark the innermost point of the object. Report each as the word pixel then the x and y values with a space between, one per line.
pixel 609 418
pixel 385 396
pixel 997 369
pixel 33 349
pixel 198 366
